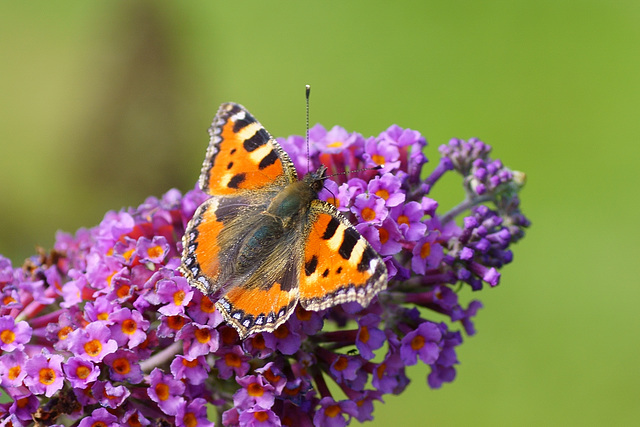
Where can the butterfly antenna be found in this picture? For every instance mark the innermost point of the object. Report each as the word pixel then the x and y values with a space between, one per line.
pixel 375 168
pixel 307 93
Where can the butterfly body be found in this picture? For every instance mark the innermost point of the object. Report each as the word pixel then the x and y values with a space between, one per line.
pixel 264 241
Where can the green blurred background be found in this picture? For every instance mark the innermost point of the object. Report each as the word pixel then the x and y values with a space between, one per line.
pixel 103 103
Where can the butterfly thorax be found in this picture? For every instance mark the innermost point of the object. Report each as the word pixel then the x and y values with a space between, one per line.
pixel 295 198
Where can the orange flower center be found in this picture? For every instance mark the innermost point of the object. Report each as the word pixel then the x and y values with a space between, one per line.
pixel 417 342
pixel 384 235
pixel 64 332
pixel 364 334
pixel 93 348
pixel 381 369
pixel 203 335
pixel 206 305
pixel 123 291
pixel 341 364
pixel 255 390
pixel 103 316
pixel 121 366
pixel 233 360
pixel 7 336
pixel 258 342
pixel 190 420
pixel 14 371
pixel 425 250
pixel 175 322
pixel 82 372
pixel 332 411
pixel 282 332
pixel 378 159
pixel 403 219
pixel 335 202
pixel 178 298
pixel 162 390
pixel 382 193
pixel 190 363
pixel 368 214
pixel 129 326
pixel 261 416
pixel 154 251
pixel 335 144
pixel 47 376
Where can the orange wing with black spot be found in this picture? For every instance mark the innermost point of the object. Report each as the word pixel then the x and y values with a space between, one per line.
pixel 242 155
pixel 339 264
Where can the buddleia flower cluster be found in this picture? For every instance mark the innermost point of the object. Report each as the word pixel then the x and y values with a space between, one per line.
pixel 103 330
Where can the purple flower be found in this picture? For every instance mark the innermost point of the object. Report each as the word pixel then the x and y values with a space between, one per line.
pixel 369 337
pixel 166 391
pixel 128 327
pixel 108 395
pixel 111 301
pixel 176 294
pixel 254 391
pixel 259 417
pixel 13 335
pixel 193 413
pixel 422 342
pixel 12 369
pixel 44 374
pixel 332 413
pixel 80 372
pixel 123 366
pixel 370 209
pixel 196 370
pixel 93 342
pixel 100 417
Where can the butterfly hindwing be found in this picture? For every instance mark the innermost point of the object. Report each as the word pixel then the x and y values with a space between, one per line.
pixel 242 155
pixel 339 264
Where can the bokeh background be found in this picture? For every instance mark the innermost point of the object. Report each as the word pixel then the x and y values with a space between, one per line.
pixel 104 103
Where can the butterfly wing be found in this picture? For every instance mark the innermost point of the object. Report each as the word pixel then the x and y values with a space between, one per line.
pixel 242 156
pixel 243 169
pixel 339 264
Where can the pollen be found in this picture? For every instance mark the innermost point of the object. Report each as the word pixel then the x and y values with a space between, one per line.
pixel 332 411
pixel 178 298
pixel 47 376
pixel 261 416
pixel 127 255
pixel 368 214
pixel 123 291
pixel 103 316
pixel 93 348
pixel 384 194
pixel 14 372
pixel 154 251
pixel 203 335
pixel 364 334
pixel 258 342
pixel 417 342
pixel 190 420
pixel 162 390
pixel 378 159
pixel 341 364
pixel 83 372
pixel 425 250
pixel 121 366
pixel 175 322
pixel 255 390
pixel 129 326
pixel 282 332
pixel 206 305
pixel 7 336
pixel 232 360
pixel 8 300
pixel 384 235
pixel 403 219
pixel 335 144
pixel 64 332
pixel 190 363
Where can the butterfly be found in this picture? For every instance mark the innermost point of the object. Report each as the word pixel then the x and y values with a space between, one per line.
pixel 263 242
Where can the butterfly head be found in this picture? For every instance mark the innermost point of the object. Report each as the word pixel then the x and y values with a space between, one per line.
pixel 315 180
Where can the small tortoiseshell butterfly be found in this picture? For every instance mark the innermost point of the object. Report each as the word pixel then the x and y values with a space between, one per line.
pixel 264 241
